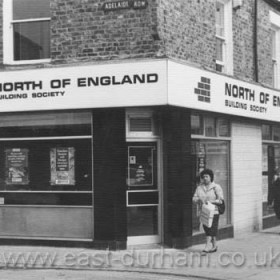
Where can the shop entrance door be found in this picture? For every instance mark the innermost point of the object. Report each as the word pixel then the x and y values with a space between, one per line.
pixel 142 196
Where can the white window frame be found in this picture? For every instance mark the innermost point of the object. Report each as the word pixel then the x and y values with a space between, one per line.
pixel 8 38
pixel 227 63
pixel 216 123
pixel 275 27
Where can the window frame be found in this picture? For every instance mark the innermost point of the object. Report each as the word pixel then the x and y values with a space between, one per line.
pixel 227 46
pixel 8 38
pixel 275 58
pixel 48 139
pixel 216 119
pixel 272 133
pixel 142 114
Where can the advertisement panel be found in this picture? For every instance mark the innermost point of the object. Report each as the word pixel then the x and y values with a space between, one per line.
pixel 62 161
pixel 17 172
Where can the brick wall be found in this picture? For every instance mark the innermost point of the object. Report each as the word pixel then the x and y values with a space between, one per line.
pixel 243 28
pixel 81 30
pixel 187 29
pixel 180 29
pixel 264 43
pixel 243 44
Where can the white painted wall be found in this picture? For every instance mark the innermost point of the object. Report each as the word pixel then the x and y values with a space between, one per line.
pixel 246 180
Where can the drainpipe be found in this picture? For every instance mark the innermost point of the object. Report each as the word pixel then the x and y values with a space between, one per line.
pixel 256 41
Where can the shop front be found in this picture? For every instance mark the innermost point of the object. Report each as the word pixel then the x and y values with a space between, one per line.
pixel 76 165
pixel 109 156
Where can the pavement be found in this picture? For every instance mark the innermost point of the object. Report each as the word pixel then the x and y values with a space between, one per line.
pixel 253 256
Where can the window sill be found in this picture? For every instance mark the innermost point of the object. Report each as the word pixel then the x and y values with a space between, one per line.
pixel 27 62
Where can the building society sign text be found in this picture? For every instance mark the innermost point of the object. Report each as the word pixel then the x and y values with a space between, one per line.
pixel 209 91
pixel 91 86
pixel 245 98
pixel 19 89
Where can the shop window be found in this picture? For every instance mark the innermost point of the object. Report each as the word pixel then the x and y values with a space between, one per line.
pixel 209 150
pixel 46 159
pixel 209 126
pixel 223 127
pixel 197 124
pixel 266 132
pixel 275 45
pixel 270 132
pixel 270 162
pixel 213 154
pixel 45 125
pixel 276 133
pixel 26 31
pixel 224 55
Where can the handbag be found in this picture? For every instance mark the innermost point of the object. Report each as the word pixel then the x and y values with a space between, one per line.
pixel 221 206
pixel 207 214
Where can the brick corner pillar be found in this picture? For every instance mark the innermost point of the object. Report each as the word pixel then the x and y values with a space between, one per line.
pixel 109 179
pixel 178 179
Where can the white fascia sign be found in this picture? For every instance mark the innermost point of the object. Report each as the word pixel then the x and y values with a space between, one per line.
pixel 80 87
pixel 135 84
pixel 203 90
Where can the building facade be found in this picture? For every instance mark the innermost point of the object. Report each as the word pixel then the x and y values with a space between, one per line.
pixel 110 109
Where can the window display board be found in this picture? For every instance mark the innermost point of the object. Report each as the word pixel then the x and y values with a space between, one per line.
pixel 140 166
pixel 62 166
pixel 17 166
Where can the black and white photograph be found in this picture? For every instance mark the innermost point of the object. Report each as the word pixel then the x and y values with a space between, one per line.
pixel 139 139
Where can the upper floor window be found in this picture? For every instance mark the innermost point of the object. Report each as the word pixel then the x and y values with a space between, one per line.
pixel 275 46
pixel 26 31
pixel 224 51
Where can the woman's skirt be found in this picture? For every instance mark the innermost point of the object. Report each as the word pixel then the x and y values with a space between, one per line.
pixel 213 230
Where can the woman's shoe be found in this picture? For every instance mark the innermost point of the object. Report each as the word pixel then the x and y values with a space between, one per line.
pixel 213 250
pixel 204 252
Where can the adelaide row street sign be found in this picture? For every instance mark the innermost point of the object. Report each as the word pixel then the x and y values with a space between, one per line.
pixel 124 4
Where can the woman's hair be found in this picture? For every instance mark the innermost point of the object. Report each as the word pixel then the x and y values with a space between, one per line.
pixel 207 172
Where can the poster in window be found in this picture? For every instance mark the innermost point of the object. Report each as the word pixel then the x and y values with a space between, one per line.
pixel 201 157
pixel 17 172
pixel 140 166
pixel 62 166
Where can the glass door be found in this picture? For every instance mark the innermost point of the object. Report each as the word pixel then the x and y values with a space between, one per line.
pixel 142 194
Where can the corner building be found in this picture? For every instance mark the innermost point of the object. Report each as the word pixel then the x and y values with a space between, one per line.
pixel 110 109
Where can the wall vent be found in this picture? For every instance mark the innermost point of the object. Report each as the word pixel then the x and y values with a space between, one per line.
pixel 140 124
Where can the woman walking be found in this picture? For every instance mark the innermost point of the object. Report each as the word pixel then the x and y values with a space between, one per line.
pixel 208 191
